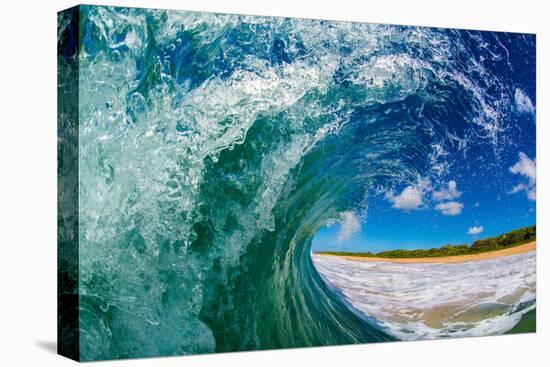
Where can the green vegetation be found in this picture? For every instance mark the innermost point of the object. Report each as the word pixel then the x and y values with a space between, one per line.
pixel 511 239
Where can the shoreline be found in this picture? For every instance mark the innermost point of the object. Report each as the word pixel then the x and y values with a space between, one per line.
pixel 531 246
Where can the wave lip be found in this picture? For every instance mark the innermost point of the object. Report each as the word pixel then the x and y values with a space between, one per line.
pixel 213 147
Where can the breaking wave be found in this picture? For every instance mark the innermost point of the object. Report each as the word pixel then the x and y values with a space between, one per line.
pixel 213 147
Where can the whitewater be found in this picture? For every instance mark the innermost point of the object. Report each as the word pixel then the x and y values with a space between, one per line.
pixel 436 300
pixel 212 147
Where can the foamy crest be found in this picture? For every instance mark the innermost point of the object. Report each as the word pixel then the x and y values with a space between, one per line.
pixel 203 136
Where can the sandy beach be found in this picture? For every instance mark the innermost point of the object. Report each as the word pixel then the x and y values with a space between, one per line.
pixel 436 300
pixel 447 259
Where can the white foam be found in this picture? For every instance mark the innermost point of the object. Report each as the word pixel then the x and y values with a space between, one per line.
pixel 426 301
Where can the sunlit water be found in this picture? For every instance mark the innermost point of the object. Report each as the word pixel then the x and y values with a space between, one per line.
pixel 212 148
pixel 425 301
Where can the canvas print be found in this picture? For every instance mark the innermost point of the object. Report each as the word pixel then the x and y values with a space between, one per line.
pixel 237 183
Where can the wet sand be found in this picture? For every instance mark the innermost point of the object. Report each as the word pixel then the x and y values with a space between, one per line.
pixel 447 259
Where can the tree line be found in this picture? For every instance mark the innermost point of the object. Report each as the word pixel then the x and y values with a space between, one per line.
pixel 510 239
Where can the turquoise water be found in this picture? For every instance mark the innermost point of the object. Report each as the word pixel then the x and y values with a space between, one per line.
pixel 212 148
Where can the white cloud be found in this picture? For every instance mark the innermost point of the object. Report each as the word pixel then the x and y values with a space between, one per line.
pixel 450 208
pixel 448 193
pixel 349 224
pixel 475 230
pixel 412 197
pixel 409 199
pixel 518 188
pixel 523 102
pixel 527 168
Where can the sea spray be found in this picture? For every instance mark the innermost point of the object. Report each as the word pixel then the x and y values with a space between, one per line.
pixel 213 147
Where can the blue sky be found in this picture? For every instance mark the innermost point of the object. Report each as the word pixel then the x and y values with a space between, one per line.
pixel 482 195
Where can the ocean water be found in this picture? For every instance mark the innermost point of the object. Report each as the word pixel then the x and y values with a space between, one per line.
pixel 436 300
pixel 212 148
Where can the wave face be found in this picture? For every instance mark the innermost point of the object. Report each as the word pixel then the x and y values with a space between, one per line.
pixel 428 301
pixel 213 148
